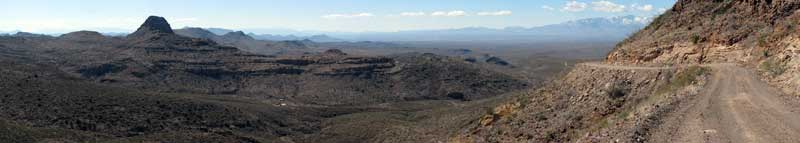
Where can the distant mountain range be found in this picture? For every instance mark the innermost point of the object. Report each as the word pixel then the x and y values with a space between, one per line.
pixel 315 38
pixel 8 32
pixel 591 29
pixel 271 37
pixel 603 29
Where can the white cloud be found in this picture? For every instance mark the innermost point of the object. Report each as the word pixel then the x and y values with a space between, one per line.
pixel 412 14
pixel 637 20
pixel 574 6
pixel 662 10
pixel 450 13
pixel 496 13
pixel 607 6
pixel 645 8
pixel 547 7
pixel 340 16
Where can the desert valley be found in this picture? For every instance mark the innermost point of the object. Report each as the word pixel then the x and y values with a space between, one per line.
pixel 700 71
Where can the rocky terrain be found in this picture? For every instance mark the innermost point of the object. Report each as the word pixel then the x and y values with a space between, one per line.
pixel 613 103
pixel 758 34
pixel 155 85
pixel 704 71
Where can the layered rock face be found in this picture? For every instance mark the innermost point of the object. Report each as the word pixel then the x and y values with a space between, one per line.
pixel 699 31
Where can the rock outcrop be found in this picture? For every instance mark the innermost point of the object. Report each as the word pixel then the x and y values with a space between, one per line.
pixel 154 25
pixel 700 31
pixel 757 33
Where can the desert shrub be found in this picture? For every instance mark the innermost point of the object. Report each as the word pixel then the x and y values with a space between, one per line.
pixel 617 91
pixel 689 76
pixel 773 67
pixel 695 39
pixel 762 40
pixel 684 78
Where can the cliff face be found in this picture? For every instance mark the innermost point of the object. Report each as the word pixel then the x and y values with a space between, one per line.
pixel 703 31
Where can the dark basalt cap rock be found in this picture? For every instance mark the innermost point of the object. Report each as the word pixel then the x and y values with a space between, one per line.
pixel 333 52
pixel 153 25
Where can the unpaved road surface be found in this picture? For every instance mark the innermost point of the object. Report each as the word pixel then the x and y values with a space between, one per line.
pixel 733 107
pixel 622 67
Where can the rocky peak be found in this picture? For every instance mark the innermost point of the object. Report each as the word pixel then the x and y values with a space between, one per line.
pixel 153 25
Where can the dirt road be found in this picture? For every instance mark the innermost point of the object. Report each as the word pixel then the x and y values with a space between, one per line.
pixel 622 67
pixel 733 107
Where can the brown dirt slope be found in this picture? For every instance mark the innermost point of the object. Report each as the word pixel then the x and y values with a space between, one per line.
pixel 696 31
pixel 731 38
pixel 615 102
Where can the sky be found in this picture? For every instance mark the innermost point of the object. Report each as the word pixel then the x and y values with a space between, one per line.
pixel 60 16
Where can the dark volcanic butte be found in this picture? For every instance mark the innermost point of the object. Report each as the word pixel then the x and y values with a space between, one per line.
pixel 153 25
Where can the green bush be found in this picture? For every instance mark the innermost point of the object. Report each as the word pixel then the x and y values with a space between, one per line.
pixel 683 79
pixel 773 67
pixel 696 39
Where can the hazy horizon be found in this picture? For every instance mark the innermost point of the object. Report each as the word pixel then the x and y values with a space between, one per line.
pixel 312 15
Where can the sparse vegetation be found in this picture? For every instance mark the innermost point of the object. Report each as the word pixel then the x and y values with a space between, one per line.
pixel 762 40
pixel 773 67
pixel 682 79
pixel 696 39
pixel 723 9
